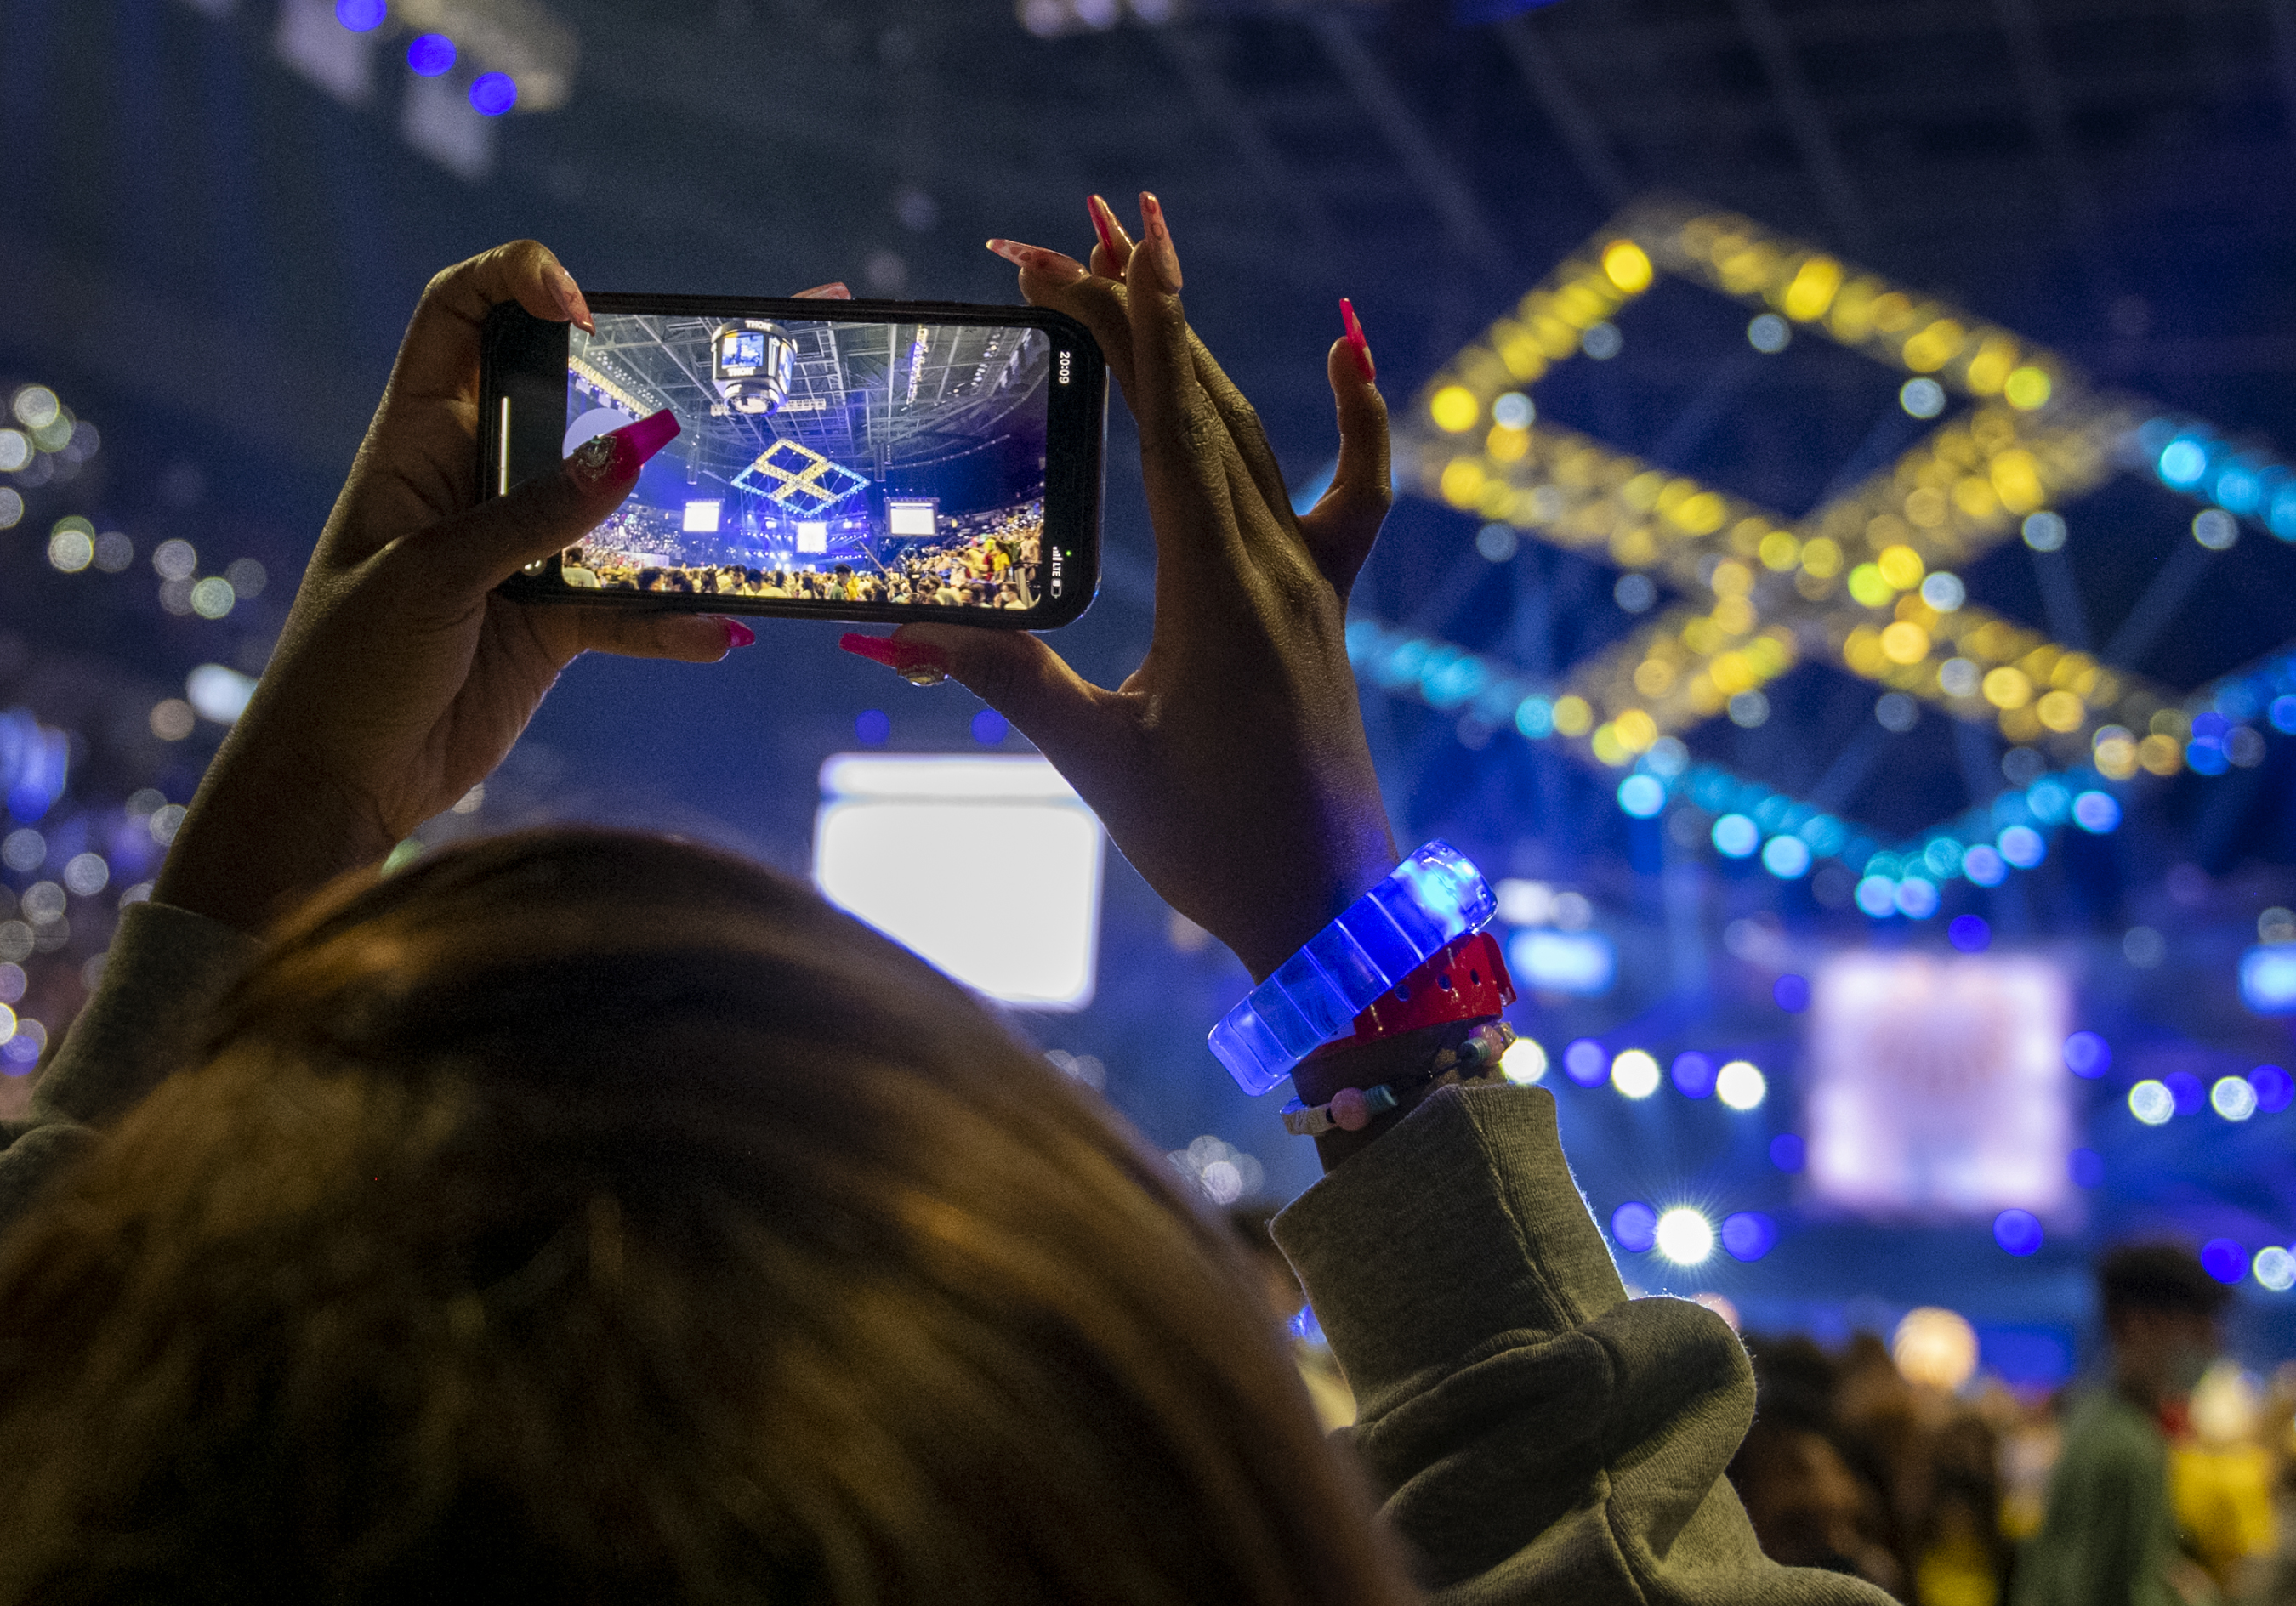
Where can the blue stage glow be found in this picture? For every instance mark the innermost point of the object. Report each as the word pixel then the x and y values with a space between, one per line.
pixel 1917 899
pixel 1983 865
pixel 1791 992
pixel 1534 717
pixel 493 92
pixel 2205 756
pixel 2224 1259
pixel 1641 795
pixel 2190 1095
pixel 872 727
pixel 361 16
pixel 2019 1231
pixel 1633 1227
pixel 1788 1151
pixel 2268 978
pixel 1694 1075
pixel 1749 1235
pixel 2087 1055
pixel 2182 462
pixel 430 55
pixel 1970 933
pixel 2086 1169
pixel 990 727
pixel 1586 1063
pixel 2098 813
pixel 1786 857
pixel 1581 963
pixel 2275 1087
pixel 1877 896
pixel 2282 715
pixel 1737 836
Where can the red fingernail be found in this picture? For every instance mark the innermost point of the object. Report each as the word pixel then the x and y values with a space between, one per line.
pixel 1103 222
pixel 1356 338
pixel 622 452
pixel 903 657
pixel 738 635
pixel 1167 257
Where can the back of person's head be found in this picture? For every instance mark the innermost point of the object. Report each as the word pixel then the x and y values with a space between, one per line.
pixel 2164 1278
pixel 579 1216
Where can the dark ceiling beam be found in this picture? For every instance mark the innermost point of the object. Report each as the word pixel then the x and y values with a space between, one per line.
pixel 2044 108
pixel 1542 70
pixel 1195 59
pixel 1446 192
pixel 1805 121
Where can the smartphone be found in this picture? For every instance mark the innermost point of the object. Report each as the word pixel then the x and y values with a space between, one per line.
pixel 846 460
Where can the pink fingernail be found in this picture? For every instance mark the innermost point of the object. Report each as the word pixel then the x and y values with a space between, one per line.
pixel 913 660
pixel 1112 237
pixel 738 635
pixel 622 452
pixel 1039 259
pixel 1167 258
pixel 571 300
pixel 1356 338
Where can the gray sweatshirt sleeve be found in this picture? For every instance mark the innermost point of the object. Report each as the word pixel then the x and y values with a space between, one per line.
pixel 1536 1435
pixel 167 968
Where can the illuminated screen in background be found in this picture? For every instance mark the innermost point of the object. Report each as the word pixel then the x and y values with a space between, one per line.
pixel 836 462
pixel 988 868
pixel 1936 1088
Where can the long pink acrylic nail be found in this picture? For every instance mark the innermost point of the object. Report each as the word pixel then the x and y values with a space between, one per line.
pixel 570 300
pixel 1356 338
pixel 1167 257
pixel 622 452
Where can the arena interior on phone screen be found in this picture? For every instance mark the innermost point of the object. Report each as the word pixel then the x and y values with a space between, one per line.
pixel 830 462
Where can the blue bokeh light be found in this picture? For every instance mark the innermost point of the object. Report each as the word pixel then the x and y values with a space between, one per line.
pixel 2275 1087
pixel 872 727
pixel 2023 846
pixel 990 727
pixel 1877 896
pixel 1641 795
pixel 1983 865
pixel 1633 1227
pixel 361 16
pixel 2019 1231
pixel 1788 1151
pixel 430 55
pixel 2191 1094
pixel 2098 813
pixel 2087 1055
pixel 1791 992
pixel 2183 464
pixel 1970 933
pixel 1737 836
pixel 2086 1169
pixel 493 92
pixel 2224 1259
pixel 1586 1063
pixel 1917 898
pixel 1749 1235
pixel 1786 857
pixel 1694 1075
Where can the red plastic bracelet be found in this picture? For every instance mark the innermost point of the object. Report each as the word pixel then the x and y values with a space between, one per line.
pixel 1466 980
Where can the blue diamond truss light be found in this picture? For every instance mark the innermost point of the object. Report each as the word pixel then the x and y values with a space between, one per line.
pixel 800 478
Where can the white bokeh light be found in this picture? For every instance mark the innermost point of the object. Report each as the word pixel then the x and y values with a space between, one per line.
pixel 1741 1084
pixel 1684 1236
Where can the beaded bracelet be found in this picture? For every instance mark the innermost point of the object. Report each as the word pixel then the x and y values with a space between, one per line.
pixel 1472 1062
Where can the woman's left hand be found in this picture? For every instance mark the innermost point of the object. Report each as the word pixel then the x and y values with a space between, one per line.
pixel 404 676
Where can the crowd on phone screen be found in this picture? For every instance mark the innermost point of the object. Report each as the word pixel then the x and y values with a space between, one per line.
pixel 994 567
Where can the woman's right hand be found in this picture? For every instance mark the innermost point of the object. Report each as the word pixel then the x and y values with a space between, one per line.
pixel 1231 767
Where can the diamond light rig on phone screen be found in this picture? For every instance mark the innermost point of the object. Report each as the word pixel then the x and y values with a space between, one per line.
pixel 841 460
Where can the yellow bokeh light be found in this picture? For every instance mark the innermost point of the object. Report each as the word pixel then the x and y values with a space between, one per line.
pixel 2007 688
pixel 1507 446
pixel 1868 587
pixel 2028 389
pixel 1974 495
pixel 2017 482
pixel 1822 558
pixel 1731 579
pixel 1934 347
pixel 1463 482
pixel 2160 755
pixel 1779 552
pixel 1609 749
pixel 1905 642
pixel 2114 752
pixel 1990 368
pixel 1637 731
pixel 1813 290
pixel 1573 716
pixel 1732 674
pixel 1935 1347
pixel 1627 265
pixel 1926 507
pixel 1901 566
pixel 1734 614
pixel 1454 409
pixel 2061 712
pixel 1654 677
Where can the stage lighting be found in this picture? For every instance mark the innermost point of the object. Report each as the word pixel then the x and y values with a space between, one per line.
pixel 493 93
pixel 1737 836
pixel 1769 333
pixel 1581 963
pixel 702 517
pixel 1789 1153
pixel 1633 1227
pixel 1524 1062
pixel 1935 1347
pixel 2268 978
pixel 1877 896
pixel 430 55
pixel 1749 1235
pixel 1641 795
pixel 1586 1063
pixel 1634 1074
pixel 1970 934
pixel 1791 992
pixel 1916 899
pixel 1684 1236
pixel 2274 1088
pixel 2022 846
pixel 1741 1084
pixel 34 765
pixel 2274 1268
pixel 987 867
pixel 1786 857
pixel 2232 1098
pixel 361 16
pixel 2098 813
pixel 2216 529
pixel 218 693
pixel 2224 1259
pixel 2018 1232
pixel 2087 1055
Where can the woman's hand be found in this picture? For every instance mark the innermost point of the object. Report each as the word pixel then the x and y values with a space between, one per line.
pixel 1231 767
pixel 403 677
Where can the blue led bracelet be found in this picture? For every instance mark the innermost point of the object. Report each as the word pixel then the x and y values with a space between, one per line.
pixel 1435 897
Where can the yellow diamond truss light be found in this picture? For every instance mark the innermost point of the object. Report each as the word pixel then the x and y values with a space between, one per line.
pixel 800 478
pixel 1846 583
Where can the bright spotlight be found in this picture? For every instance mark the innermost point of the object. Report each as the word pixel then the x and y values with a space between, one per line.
pixel 2151 1102
pixel 1524 1062
pixel 1634 1074
pixel 1741 1084
pixel 1685 1237
pixel 1936 1347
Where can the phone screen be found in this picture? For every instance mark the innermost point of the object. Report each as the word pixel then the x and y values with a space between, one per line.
pixel 853 465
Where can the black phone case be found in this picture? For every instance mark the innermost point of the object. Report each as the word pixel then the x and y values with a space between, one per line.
pixel 522 358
